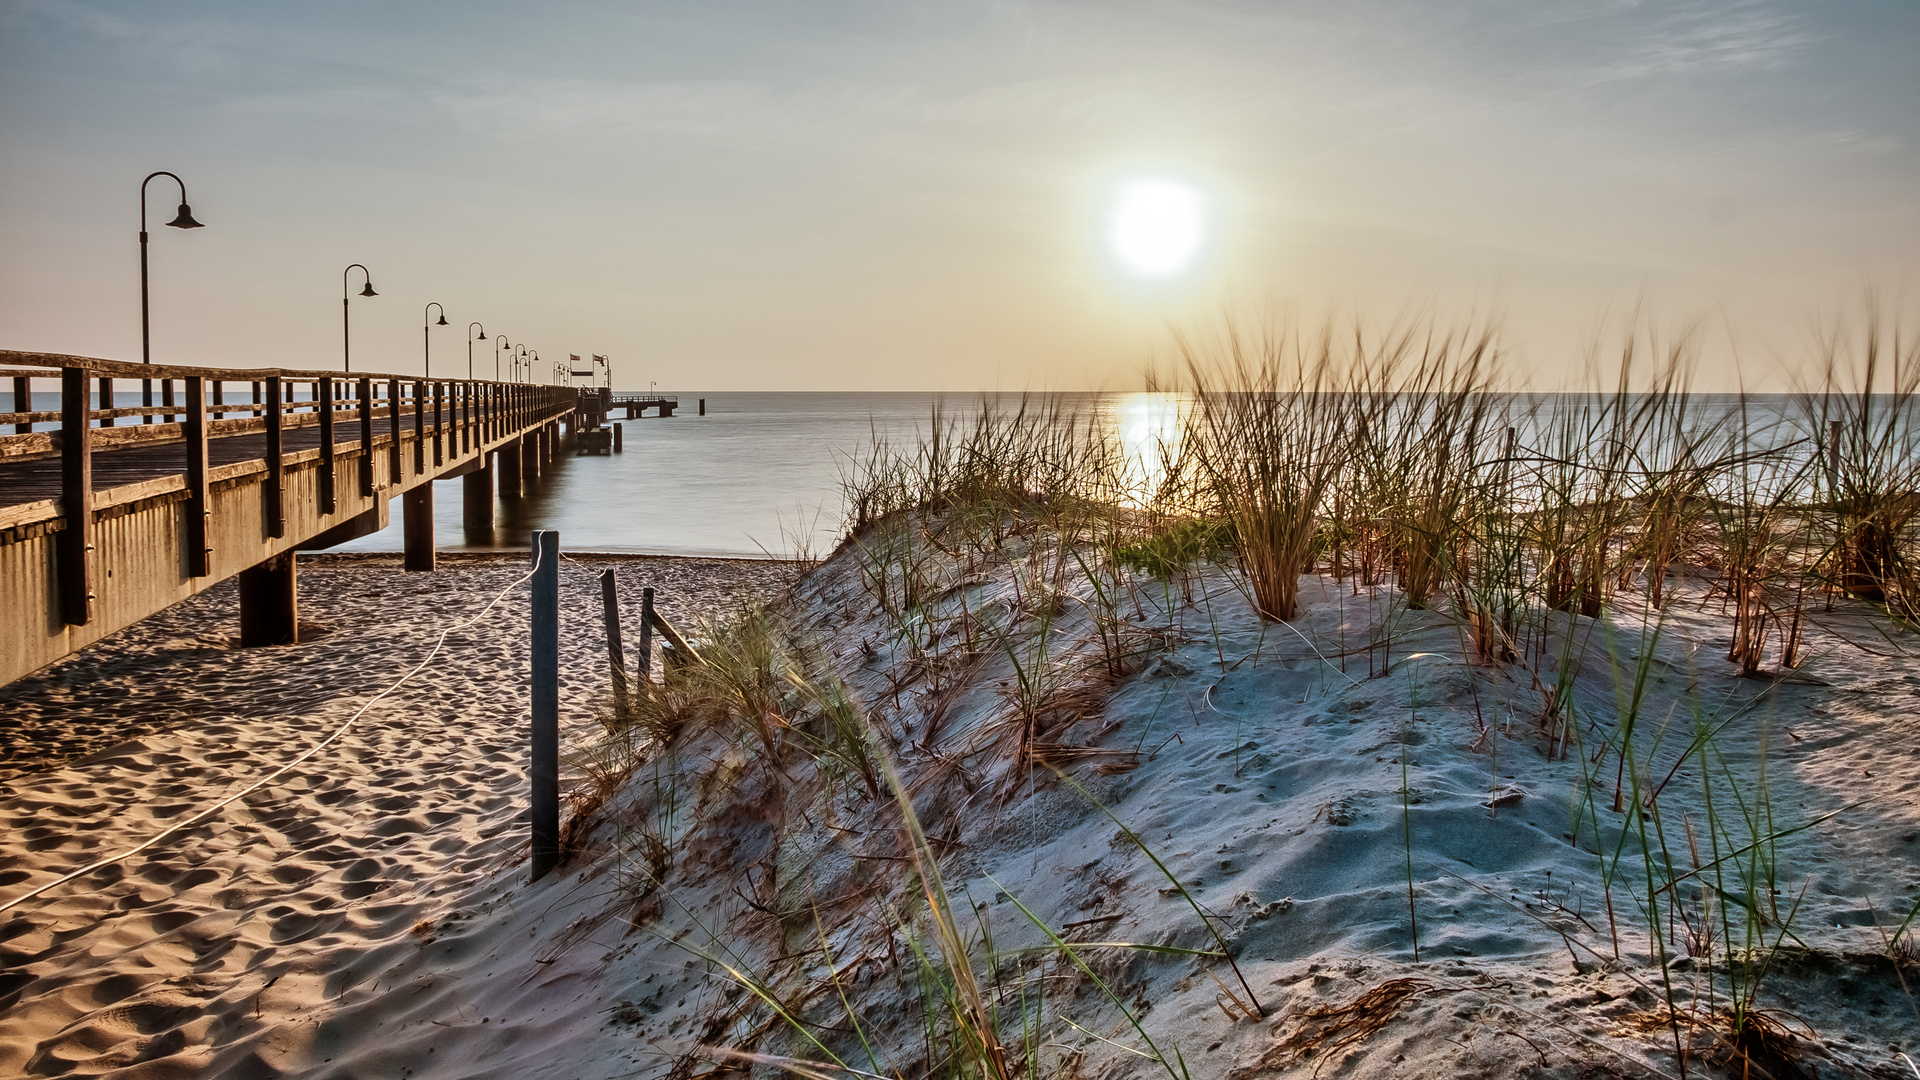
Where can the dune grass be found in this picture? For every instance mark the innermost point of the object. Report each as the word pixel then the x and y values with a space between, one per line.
pixel 1552 528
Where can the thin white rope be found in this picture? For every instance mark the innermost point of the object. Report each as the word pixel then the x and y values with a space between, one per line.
pixel 277 773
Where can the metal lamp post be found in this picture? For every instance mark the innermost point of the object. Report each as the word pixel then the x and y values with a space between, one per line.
pixel 482 336
pixel 346 321
pixel 182 220
pixel 426 336
pixel 497 341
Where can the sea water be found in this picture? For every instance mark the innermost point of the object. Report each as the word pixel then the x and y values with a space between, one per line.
pixel 759 475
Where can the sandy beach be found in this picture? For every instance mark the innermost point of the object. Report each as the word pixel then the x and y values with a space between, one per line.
pixel 201 956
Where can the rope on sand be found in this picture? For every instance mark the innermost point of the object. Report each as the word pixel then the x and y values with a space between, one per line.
pixel 277 773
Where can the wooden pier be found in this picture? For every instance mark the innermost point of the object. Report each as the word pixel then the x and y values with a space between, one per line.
pixel 122 512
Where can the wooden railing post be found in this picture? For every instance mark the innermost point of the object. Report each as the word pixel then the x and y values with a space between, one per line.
pixel 199 509
pixel 323 393
pixel 439 426
pixel 76 499
pixel 393 415
pixel 366 438
pixel 106 401
pixel 22 402
pixel 419 428
pixel 544 808
pixel 274 489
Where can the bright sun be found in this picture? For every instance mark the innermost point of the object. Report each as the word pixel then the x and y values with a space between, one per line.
pixel 1157 227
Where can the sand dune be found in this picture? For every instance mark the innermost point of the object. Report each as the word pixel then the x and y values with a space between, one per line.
pixel 369 915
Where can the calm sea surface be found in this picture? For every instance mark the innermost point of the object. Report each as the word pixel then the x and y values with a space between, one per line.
pixel 760 473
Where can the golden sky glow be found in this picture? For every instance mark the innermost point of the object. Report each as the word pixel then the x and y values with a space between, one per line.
pixel 921 196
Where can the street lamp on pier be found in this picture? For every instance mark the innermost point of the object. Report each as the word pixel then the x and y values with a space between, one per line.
pixel 346 321
pixel 497 342
pixel 182 220
pixel 482 336
pixel 426 336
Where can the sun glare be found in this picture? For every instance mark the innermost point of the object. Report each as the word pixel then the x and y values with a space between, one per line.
pixel 1157 227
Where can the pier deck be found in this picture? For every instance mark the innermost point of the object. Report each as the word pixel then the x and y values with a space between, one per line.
pixel 120 512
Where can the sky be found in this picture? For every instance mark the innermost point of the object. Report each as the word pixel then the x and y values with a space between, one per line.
pixel 922 196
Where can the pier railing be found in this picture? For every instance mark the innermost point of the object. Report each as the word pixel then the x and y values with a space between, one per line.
pixel 323 448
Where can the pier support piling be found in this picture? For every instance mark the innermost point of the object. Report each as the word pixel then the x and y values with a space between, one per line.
pixel 417 527
pixel 476 499
pixel 544 808
pixel 270 603
pixel 616 439
pixel 506 462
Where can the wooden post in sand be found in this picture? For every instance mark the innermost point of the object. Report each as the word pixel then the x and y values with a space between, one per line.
pixel 646 635
pixel 616 658
pixel 544 810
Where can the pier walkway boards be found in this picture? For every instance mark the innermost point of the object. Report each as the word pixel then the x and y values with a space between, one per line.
pixel 108 514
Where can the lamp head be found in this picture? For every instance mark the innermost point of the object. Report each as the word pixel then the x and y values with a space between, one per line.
pixel 481 336
pixel 443 319
pixel 368 291
pixel 184 220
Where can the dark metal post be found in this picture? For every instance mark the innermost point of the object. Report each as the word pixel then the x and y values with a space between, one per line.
pixel 646 635
pixel 544 811
pixel 76 499
pixel 199 552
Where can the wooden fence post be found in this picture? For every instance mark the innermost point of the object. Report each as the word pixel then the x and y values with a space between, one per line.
pixel 544 811
pixel 646 635
pixel 616 657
